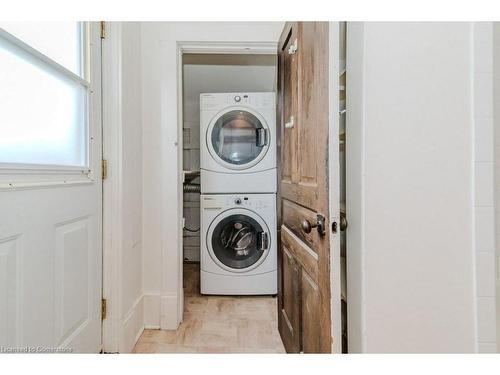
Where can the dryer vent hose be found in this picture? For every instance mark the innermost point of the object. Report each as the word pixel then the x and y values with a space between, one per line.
pixel 192 188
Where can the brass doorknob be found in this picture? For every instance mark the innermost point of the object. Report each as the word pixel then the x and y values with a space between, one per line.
pixel 307 226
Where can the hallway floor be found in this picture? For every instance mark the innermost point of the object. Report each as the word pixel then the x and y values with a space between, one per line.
pixel 217 324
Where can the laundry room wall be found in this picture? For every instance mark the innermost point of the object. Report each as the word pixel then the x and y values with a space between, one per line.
pixel 161 198
pixel 132 297
pixel 203 73
pixel 419 203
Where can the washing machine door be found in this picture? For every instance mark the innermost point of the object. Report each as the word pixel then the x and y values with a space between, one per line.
pixel 238 138
pixel 238 240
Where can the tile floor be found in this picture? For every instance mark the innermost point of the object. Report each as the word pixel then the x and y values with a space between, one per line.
pixel 217 324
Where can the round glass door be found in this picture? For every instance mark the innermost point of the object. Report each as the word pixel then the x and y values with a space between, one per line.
pixel 239 138
pixel 238 241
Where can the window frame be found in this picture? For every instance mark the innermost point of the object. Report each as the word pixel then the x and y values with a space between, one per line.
pixel 84 79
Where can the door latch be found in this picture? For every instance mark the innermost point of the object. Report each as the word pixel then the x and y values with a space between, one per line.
pixel 342 224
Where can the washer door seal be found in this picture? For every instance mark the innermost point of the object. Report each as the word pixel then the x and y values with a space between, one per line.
pixel 239 242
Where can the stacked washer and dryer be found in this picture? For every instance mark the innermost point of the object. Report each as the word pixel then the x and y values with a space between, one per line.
pixel 238 194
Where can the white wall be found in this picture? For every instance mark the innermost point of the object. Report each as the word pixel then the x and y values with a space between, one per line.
pixel 496 114
pixel 410 188
pixel 161 176
pixel 132 309
pixel 484 208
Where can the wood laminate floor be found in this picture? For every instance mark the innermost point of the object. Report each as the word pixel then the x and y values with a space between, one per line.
pixel 217 324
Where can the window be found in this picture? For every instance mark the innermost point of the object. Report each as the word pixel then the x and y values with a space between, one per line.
pixel 43 94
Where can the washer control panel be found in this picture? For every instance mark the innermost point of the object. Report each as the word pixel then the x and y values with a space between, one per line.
pixel 214 202
pixel 245 201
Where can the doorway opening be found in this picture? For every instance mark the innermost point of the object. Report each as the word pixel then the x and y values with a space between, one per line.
pixel 212 322
pixel 342 179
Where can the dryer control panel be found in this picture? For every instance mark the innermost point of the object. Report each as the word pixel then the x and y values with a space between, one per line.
pixel 209 101
pixel 259 100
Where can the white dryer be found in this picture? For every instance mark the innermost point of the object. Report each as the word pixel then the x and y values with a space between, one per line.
pixel 238 143
pixel 238 244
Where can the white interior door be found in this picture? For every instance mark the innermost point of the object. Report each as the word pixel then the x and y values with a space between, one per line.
pixel 50 186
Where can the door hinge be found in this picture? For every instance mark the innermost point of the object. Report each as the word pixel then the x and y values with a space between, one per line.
pixel 104 169
pixel 103 309
pixel 103 30
pixel 293 48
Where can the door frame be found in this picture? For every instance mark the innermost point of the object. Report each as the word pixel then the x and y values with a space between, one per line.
pixel 112 191
pixel 111 71
pixel 199 47
pixel 334 188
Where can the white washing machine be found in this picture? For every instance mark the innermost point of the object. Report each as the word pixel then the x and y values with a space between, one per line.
pixel 238 244
pixel 238 143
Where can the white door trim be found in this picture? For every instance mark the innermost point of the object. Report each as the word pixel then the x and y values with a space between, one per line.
pixel 334 185
pixel 112 191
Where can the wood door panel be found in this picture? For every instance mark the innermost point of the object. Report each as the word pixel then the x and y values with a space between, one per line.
pixel 311 329
pixel 307 106
pixel 288 156
pixel 293 215
pixel 302 195
pixel 289 324
pixel 302 253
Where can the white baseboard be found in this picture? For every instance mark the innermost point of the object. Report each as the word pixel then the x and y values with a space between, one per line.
pixel 152 310
pixel 151 327
pixel 168 317
pixel 149 311
pixel 133 326
pixel 138 335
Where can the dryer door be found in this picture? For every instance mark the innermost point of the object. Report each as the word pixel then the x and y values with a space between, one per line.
pixel 238 138
pixel 238 240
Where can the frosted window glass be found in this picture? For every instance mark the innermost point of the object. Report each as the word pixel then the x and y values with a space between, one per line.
pixel 42 112
pixel 61 41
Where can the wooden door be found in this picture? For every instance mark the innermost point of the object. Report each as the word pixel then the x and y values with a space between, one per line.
pixel 304 255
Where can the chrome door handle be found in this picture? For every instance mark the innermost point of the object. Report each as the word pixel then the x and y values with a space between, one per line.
pixel 264 241
pixel 261 135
